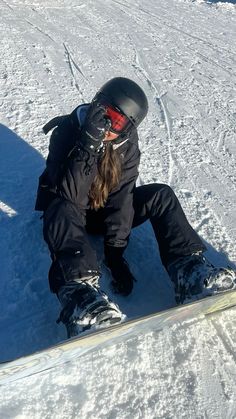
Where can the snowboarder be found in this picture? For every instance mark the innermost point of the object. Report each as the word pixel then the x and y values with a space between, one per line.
pixel 88 186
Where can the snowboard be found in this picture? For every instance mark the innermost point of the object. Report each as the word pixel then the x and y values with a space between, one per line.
pixel 73 348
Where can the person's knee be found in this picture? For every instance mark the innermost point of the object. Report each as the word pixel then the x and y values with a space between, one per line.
pixel 61 210
pixel 63 225
pixel 164 199
pixel 166 190
pixel 164 193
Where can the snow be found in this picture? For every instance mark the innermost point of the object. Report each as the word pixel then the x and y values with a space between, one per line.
pixel 55 55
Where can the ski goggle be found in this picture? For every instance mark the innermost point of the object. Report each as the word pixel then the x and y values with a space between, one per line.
pixel 118 121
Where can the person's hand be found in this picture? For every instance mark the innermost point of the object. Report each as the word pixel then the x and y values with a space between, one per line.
pixel 95 126
pixel 122 278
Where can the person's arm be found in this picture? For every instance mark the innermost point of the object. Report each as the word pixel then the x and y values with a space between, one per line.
pixel 81 166
pixel 61 142
pixel 119 210
pixel 78 176
pixel 119 215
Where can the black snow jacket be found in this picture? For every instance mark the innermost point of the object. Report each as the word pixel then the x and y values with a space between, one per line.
pixel 70 171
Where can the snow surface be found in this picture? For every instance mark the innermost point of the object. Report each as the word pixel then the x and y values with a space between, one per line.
pixel 54 55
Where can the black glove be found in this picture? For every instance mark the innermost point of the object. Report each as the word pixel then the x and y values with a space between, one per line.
pixel 94 128
pixel 122 277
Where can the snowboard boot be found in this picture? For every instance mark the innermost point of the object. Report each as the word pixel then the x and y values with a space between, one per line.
pixel 85 307
pixel 194 277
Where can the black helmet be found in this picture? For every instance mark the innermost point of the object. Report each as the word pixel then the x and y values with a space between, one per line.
pixel 125 95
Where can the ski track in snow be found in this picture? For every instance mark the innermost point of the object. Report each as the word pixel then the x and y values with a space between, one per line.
pixel 54 56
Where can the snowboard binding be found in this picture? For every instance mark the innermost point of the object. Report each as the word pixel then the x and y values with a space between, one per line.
pixel 86 308
pixel 194 277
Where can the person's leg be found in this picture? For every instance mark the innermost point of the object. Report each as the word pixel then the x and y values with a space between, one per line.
pixel 175 236
pixel 74 272
pixel 181 249
pixel 72 254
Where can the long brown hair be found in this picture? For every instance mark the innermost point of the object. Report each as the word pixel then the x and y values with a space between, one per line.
pixel 107 178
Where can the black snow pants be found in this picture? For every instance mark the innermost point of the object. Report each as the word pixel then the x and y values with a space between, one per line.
pixel 66 232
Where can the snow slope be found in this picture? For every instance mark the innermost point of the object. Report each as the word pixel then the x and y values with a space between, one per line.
pixel 55 55
pixel 182 372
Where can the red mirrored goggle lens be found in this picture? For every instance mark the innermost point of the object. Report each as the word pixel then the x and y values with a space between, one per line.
pixel 118 121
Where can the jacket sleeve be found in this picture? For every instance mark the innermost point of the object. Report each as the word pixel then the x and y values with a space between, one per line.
pixel 79 173
pixel 61 142
pixel 119 210
pixel 70 168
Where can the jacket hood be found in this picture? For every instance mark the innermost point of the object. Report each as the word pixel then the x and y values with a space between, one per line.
pixel 81 113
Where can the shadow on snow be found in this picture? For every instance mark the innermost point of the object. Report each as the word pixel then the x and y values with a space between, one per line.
pixel 25 294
